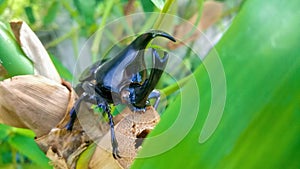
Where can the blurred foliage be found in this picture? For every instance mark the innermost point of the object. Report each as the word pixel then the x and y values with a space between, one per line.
pixel 260 126
pixel 18 149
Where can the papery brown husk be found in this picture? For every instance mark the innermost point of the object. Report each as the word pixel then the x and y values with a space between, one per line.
pixel 34 50
pixel 42 105
pixel 212 12
pixel 33 102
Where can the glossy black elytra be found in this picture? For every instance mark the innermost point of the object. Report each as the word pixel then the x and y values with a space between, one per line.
pixel 122 80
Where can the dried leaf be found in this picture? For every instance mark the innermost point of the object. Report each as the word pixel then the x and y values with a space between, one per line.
pixel 64 147
pixel 212 11
pixel 33 102
pixel 3 72
pixel 35 51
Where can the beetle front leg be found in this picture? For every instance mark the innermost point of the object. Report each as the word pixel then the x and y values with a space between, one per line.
pixel 87 96
pixel 73 112
pixel 155 94
pixel 114 143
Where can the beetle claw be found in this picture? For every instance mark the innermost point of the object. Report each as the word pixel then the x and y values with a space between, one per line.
pixel 135 109
pixel 115 153
pixel 115 149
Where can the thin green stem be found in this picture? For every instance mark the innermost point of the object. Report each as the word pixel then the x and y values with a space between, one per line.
pixel 75 44
pixel 174 87
pixel 72 12
pixel 14 156
pixel 98 36
pixel 161 15
pixel 167 6
pixel 62 38
pixel 231 11
pixel 149 22
pixel 199 14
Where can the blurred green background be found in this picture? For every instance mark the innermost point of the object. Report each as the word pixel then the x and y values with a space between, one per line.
pixel 256 42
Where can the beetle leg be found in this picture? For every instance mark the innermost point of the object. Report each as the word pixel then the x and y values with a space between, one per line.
pixel 88 96
pixel 155 94
pixel 114 143
pixel 73 114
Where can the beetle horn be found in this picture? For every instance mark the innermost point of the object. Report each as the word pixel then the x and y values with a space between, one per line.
pixel 142 41
pixel 159 65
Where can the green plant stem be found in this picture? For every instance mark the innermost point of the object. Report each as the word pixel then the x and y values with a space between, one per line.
pixel 149 23
pixel 12 57
pixel 231 11
pixel 174 87
pixel 98 36
pixel 62 38
pixel 72 12
pixel 161 15
pixel 14 157
pixel 75 44
pixel 199 14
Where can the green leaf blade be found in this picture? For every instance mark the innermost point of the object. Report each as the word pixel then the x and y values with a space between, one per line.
pixel 61 69
pixel 29 148
pixel 158 3
pixel 260 123
pixel 148 6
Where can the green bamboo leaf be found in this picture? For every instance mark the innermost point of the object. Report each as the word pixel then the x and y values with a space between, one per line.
pixel 24 132
pixel 85 157
pixel 61 69
pixel 4 131
pixel 29 14
pixel 29 148
pixel 147 5
pixel 260 123
pixel 3 5
pixel 86 9
pixel 12 57
pixel 158 3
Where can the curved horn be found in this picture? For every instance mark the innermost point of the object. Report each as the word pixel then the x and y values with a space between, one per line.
pixel 142 41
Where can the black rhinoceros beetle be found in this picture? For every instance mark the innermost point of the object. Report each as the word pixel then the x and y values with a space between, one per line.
pixel 122 80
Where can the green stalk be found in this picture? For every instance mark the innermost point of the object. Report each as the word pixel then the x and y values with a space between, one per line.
pixel 161 15
pixel 98 36
pixel 74 13
pixel 12 58
pixel 62 38
pixel 174 87
pixel 199 14
pixel 75 41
